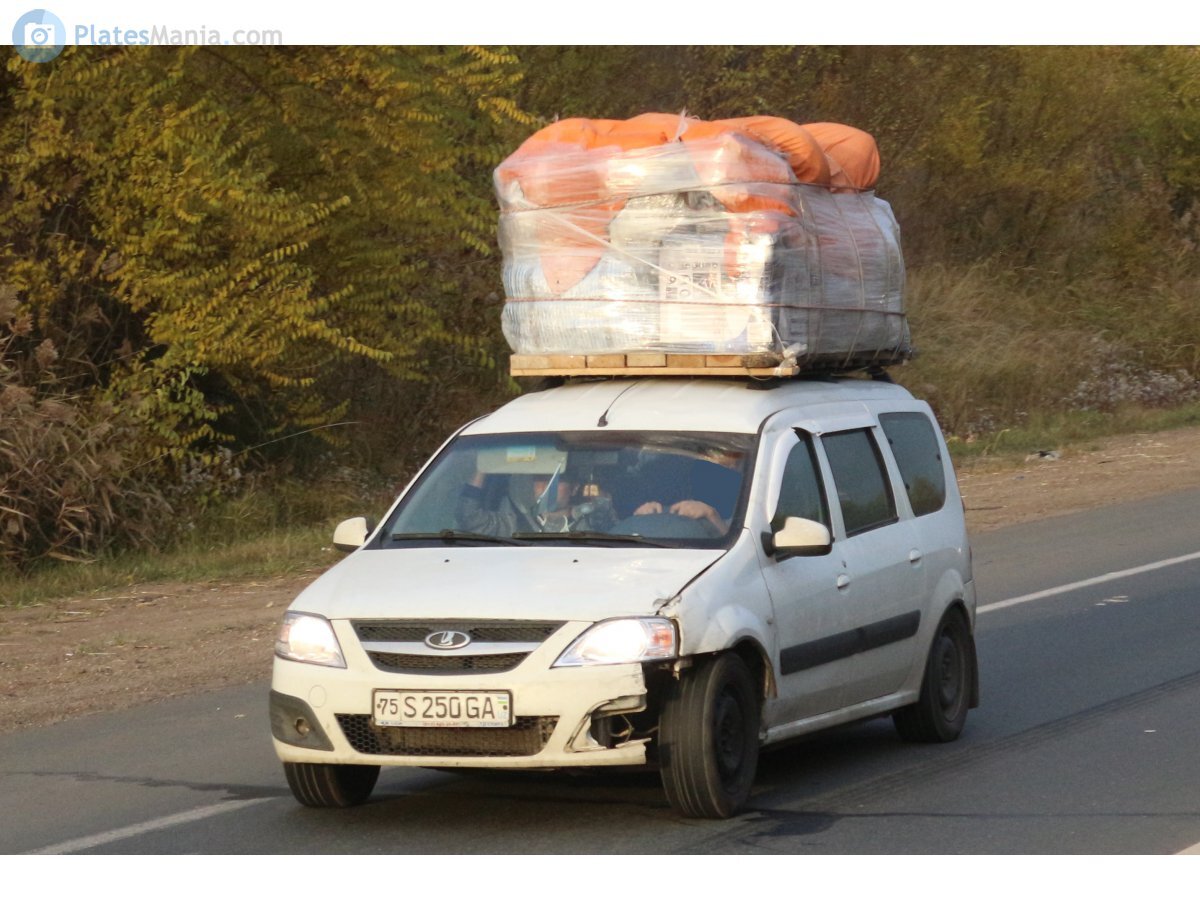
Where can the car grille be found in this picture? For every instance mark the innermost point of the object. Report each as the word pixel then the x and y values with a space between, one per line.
pixel 412 663
pixel 398 646
pixel 526 737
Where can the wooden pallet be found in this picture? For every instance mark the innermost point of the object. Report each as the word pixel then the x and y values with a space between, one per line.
pixel 759 365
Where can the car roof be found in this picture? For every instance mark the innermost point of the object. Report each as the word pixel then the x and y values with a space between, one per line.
pixel 680 404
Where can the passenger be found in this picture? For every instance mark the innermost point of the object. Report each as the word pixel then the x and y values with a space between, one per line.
pixel 533 503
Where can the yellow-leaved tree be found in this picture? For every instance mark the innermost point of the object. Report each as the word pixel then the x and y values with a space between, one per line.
pixel 210 239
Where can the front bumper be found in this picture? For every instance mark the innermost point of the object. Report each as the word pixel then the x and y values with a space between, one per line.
pixel 323 715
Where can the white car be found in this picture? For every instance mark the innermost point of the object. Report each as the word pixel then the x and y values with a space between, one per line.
pixel 640 572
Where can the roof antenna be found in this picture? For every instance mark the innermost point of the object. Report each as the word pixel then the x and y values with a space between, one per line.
pixel 603 422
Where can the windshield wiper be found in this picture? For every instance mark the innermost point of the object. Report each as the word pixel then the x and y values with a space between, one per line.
pixel 602 536
pixel 450 536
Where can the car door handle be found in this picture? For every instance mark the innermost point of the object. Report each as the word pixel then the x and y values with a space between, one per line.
pixel 843 581
pixel 914 557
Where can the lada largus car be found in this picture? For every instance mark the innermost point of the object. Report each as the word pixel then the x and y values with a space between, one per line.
pixel 660 572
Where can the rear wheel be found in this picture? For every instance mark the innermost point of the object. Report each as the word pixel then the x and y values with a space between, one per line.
pixel 327 785
pixel 946 690
pixel 708 739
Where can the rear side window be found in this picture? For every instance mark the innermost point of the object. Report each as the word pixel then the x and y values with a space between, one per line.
pixel 915 446
pixel 801 493
pixel 861 481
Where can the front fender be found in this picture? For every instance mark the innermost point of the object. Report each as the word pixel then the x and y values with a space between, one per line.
pixel 726 604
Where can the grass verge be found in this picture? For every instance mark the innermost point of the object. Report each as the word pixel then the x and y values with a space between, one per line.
pixel 247 532
pixel 292 551
pixel 1058 431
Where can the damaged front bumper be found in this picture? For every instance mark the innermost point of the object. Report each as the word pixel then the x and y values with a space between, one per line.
pixel 562 717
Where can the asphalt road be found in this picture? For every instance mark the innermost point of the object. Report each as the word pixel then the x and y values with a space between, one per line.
pixel 1084 744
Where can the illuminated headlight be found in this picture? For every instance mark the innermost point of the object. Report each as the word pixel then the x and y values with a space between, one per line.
pixel 622 641
pixel 310 639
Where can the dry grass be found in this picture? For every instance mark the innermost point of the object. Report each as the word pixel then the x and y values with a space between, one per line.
pixel 70 485
pixel 258 532
pixel 271 553
pixel 1001 353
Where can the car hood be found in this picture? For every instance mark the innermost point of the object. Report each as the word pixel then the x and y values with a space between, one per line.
pixel 541 583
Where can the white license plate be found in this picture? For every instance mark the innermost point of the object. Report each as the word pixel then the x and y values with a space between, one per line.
pixel 443 709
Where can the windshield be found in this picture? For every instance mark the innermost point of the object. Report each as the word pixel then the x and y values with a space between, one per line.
pixel 671 489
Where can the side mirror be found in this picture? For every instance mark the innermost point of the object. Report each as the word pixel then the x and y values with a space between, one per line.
pixel 352 533
pixel 800 537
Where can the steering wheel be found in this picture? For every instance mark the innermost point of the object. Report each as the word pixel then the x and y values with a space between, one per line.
pixel 667 525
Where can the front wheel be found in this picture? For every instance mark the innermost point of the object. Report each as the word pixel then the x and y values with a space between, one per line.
pixel 708 739
pixel 328 785
pixel 940 712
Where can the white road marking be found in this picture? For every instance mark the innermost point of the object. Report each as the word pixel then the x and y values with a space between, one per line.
pixel 1087 582
pixel 1193 850
pixel 120 834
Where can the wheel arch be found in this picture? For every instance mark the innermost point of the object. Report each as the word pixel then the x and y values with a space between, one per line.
pixel 958 606
pixel 759 663
pixel 755 656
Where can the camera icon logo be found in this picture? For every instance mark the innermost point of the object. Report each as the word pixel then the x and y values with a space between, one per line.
pixel 39 36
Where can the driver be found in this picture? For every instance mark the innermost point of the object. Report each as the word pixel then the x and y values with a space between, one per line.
pixel 713 476
pixel 690 509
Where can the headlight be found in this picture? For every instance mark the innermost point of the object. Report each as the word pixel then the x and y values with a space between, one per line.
pixel 310 639
pixel 622 641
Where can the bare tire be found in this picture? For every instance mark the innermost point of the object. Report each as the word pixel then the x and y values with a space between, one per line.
pixel 708 739
pixel 326 785
pixel 940 712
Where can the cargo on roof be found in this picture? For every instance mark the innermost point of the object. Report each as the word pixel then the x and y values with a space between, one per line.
pixel 668 234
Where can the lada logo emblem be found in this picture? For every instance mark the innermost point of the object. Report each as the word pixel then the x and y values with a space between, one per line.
pixel 447 640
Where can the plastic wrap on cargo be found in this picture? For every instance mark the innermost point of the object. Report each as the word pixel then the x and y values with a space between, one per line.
pixel 705 242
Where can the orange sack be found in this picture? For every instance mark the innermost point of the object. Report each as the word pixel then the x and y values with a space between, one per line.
pixel 853 155
pixel 794 142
